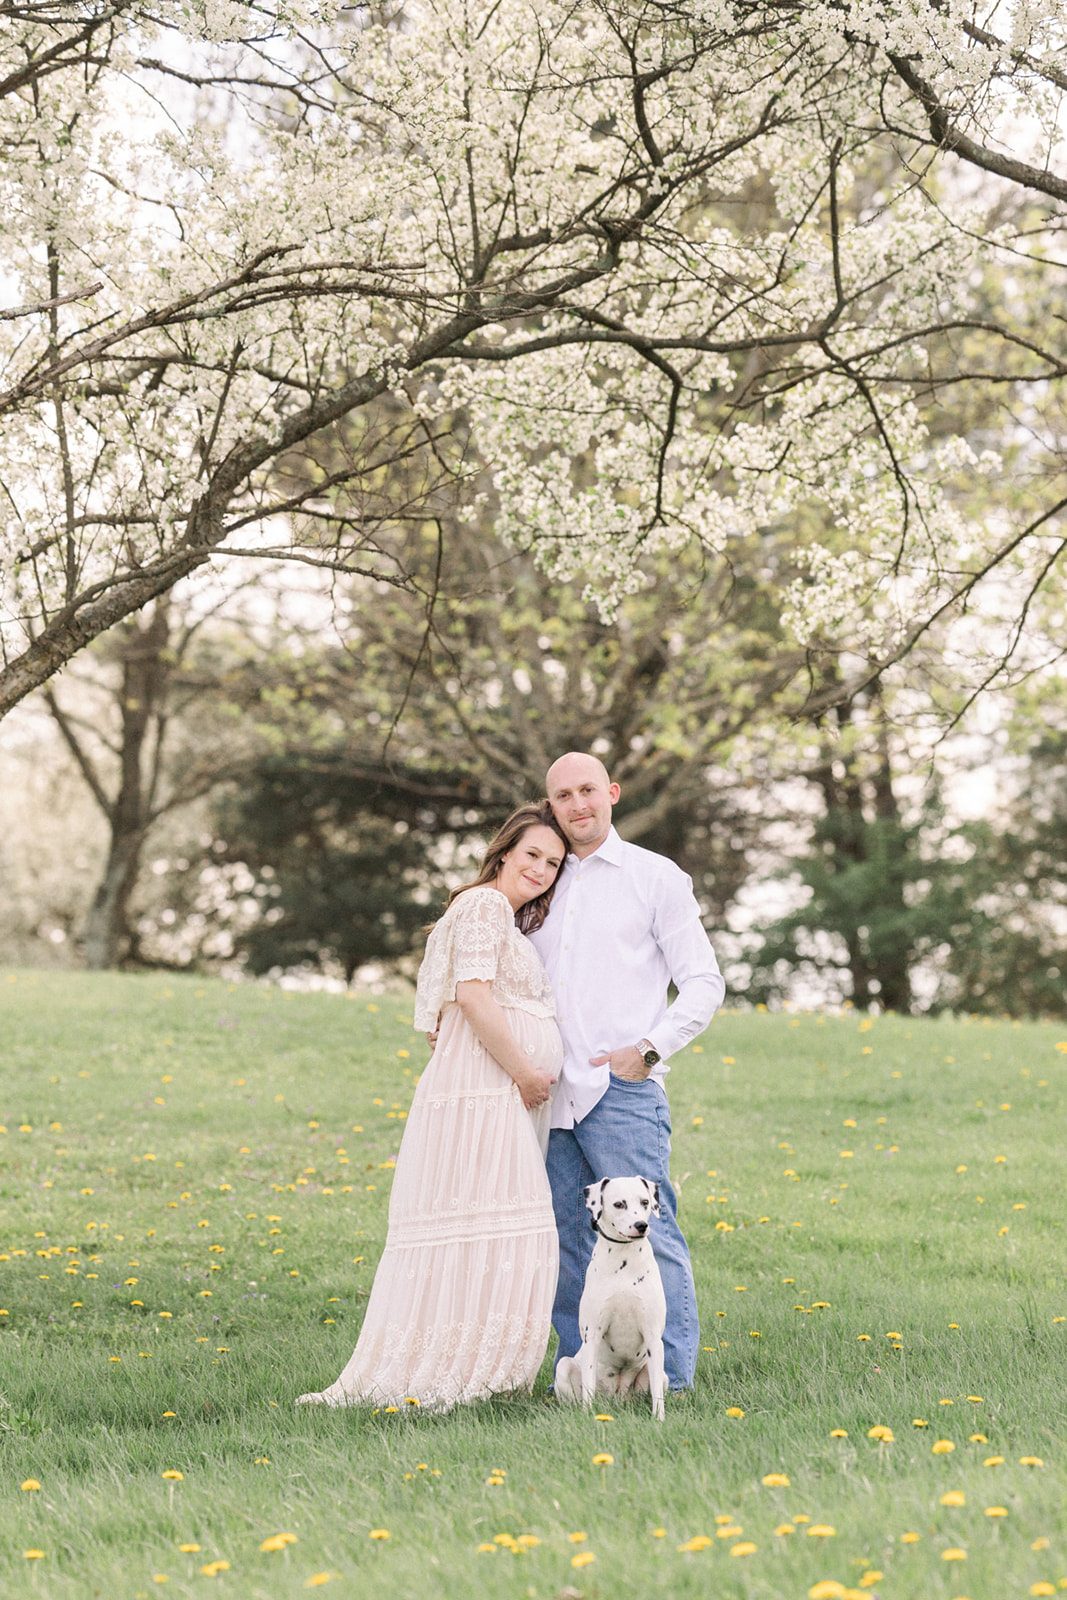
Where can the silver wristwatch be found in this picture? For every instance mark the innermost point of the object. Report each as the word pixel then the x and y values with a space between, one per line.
pixel 649 1054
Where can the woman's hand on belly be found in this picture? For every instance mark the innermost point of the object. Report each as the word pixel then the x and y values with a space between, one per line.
pixel 534 1087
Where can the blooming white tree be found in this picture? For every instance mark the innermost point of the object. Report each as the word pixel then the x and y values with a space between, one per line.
pixel 280 279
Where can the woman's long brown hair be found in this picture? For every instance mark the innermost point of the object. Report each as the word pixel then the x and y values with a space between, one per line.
pixel 538 814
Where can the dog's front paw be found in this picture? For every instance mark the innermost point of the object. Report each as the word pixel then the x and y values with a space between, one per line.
pixel 568 1382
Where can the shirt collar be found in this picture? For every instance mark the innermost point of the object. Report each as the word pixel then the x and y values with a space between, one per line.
pixel 610 851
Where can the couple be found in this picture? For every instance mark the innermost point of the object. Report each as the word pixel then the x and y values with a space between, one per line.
pixel 546 984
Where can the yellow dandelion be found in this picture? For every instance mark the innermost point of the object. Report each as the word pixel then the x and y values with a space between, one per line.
pixel 485 1549
pixel 745 1549
pixel 659 1533
pixel 528 1540
pixel 993 1461
pixel 699 1541
pixel 954 1497
pixel 1043 1587
pixel 839 1433
pixel 1041 1544
pixel 174 1475
pixel 1031 1461
pixel 870 1578
pixel 584 1558
pixel 828 1589
pixel 954 1555
pixel 942 1447
pixel 977 1438
pixel 317 1579
pixel 602 1459
pixel 188 1549
pixel 880 1432
pixel 577 1538
pixel 278 1541
pixel 379 1533
pixel 602 1416
pixel 734 1411
pixel 996 1511
pixel 33 1555
pixel 775 1480
pixel 821 1530
pixel 30 1483
pixel 910 1538
pixel 214 1567
pixel 919 1422
pixel 782 1529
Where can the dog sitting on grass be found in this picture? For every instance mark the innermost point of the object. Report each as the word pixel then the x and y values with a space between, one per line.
pixel 622 1311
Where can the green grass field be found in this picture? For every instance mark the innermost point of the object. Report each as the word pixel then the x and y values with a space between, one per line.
pixel 194 1186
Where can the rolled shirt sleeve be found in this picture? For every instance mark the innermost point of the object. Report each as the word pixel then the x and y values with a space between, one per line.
pixel 694 971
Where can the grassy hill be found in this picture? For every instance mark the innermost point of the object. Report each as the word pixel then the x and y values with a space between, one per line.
pixel 194 1185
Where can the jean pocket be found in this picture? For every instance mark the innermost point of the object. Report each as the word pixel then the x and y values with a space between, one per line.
pixel 628 1083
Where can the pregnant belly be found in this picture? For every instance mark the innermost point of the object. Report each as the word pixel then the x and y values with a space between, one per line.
pixel 539 1039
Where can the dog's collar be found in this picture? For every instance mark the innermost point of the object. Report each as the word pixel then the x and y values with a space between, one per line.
pixel 610 1237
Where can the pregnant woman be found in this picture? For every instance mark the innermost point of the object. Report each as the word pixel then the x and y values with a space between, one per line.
pixel 462 1298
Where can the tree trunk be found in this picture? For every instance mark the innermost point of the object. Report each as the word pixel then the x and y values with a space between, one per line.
pixel 108 939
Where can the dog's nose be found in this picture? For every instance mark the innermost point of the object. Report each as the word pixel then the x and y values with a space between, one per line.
pixel 640 1227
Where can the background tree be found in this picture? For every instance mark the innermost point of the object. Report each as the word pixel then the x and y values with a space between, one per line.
pixel 391 757
pixel 162 711
pixel 195 310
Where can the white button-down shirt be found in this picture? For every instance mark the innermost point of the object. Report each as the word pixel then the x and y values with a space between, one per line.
pixel 623 925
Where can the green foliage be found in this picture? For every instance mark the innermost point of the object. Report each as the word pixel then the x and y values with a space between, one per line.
pixel 864 925
pixel 346 862
pixel 1003 908
pixel 841 1178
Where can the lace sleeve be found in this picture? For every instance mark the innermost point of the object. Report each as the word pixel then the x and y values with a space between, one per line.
pixel 466 944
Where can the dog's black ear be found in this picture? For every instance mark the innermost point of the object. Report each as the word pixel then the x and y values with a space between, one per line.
pixel 594 1199
pixel 655 1196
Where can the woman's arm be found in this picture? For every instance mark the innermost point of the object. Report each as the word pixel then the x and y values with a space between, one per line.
pixel 489 1021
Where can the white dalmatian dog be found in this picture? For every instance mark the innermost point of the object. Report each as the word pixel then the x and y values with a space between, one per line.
pixel 622 1311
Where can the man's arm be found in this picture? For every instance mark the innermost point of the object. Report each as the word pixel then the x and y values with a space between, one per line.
pixel 686 948
pixel 694 971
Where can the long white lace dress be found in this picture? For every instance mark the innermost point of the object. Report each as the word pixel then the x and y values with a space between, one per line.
pixel 462 1299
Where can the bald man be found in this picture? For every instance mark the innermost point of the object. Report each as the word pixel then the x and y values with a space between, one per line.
pixel 623 926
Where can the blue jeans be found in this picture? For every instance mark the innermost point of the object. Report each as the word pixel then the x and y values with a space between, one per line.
pixel 627 1134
